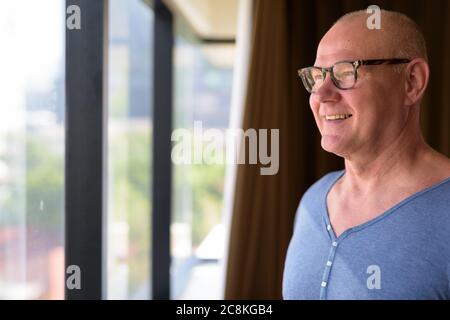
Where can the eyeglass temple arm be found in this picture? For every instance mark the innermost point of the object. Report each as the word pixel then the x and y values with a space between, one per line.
pixel 383 61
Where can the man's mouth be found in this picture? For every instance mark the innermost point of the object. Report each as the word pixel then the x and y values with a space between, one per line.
pixel 334 117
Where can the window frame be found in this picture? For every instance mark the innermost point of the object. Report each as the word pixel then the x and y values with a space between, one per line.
pixel 86 156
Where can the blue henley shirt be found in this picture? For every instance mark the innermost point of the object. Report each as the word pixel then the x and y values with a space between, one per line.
pixel 402 254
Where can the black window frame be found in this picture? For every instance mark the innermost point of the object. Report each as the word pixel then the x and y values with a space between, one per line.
pixel 85 145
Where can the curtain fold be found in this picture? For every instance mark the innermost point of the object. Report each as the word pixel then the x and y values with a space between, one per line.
pixel 285 37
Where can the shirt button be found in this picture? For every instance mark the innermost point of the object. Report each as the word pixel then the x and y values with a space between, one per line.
pixel 324 284
pixel 328 227
pixel 329 263
pixel 334 244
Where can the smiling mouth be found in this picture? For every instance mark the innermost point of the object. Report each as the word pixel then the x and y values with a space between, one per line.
pixel 334 117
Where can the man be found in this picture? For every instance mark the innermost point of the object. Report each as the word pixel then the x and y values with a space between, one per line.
pixel 380 229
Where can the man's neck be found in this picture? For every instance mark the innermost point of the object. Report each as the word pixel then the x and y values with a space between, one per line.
pixel 397 161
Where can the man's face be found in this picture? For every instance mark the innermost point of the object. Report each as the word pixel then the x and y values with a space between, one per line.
pixel 376 102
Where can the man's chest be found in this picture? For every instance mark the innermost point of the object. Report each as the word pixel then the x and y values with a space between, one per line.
pixel 348 211
pixel 364 265
pixel 384 274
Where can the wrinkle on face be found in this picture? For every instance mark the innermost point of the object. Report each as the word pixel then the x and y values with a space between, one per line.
pixel 374 101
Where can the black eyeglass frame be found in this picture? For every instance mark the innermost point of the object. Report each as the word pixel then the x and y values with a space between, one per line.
pixel 356 64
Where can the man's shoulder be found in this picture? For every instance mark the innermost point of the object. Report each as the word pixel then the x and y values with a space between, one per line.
pixel 319 188
pixel 439 193
pixel 313 199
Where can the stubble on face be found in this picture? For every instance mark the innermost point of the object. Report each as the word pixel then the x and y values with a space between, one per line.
pixel 368 102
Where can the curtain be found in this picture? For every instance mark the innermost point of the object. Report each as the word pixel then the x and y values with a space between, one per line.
pixel 285 37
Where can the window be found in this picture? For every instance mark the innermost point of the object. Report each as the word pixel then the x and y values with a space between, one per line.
pixel 39 199
pixel 129 149
pixel 32 149
pixel 202 90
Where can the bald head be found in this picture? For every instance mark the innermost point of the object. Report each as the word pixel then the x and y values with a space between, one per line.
pixel 399 36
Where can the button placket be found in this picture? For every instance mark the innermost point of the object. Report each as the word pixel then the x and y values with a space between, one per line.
pixel 328 264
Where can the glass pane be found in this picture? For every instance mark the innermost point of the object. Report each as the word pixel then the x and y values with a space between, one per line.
pixel 32 75
pixel 129 149
pixel 203 78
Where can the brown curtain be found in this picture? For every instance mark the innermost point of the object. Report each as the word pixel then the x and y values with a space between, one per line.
pixel 285 38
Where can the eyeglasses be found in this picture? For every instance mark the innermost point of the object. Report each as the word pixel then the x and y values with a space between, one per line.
pixel 343 74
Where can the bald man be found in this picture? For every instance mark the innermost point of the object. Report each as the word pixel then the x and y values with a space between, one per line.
pixel 380 229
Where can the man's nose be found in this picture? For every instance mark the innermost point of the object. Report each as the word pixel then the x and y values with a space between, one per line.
pixel 328 91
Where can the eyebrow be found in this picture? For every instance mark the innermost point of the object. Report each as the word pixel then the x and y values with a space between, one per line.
pixel 346 60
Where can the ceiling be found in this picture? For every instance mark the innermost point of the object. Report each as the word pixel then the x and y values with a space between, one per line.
pixel 210 19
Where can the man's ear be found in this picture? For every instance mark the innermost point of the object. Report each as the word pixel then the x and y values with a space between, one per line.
pixel 417 76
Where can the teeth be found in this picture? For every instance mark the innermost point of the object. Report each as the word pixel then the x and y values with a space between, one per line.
pixel 338 116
